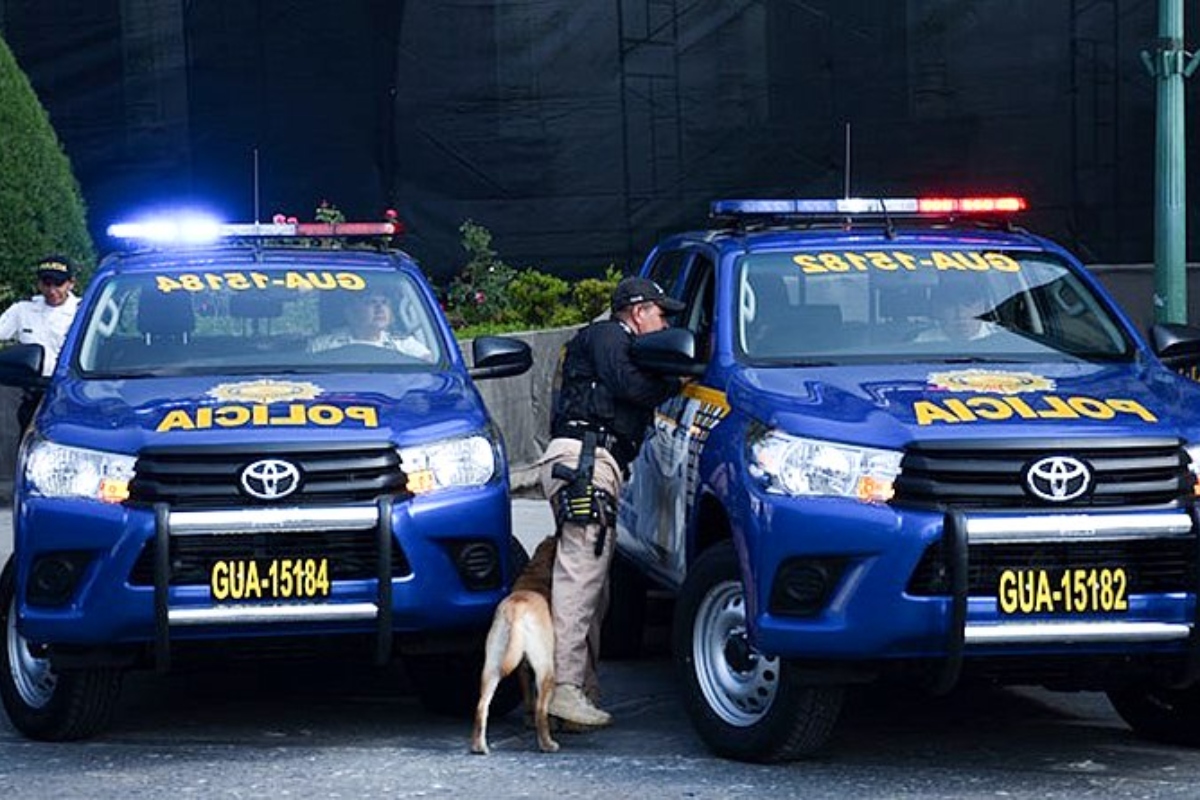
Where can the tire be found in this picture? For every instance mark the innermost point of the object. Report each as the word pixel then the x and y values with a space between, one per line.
pixel 1161 714
pixel 744 706
pixel 624 628
pixel 448 683
pixel 41 703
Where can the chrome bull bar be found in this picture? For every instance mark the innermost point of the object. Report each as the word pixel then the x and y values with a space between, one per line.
pixel 220 522
pixel 960 530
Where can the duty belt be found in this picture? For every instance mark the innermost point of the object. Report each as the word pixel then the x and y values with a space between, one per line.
pixel 578 429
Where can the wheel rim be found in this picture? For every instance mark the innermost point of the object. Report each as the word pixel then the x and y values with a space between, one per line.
pixel 738 683
pixel 32 677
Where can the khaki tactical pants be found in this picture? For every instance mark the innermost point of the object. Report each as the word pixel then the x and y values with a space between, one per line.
pixel 579 595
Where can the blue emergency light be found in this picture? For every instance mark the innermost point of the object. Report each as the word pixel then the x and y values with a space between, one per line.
pixel 201 230
pixel 851 206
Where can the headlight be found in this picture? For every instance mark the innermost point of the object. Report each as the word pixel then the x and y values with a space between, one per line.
pixel 55 470
pixel 468 461
pixel 792 465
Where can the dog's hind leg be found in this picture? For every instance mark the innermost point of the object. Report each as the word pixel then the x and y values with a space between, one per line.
pixel 541 664
pixel 542 714
pixel 489 679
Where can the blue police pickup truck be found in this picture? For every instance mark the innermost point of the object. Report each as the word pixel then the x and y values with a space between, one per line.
pixel 248 447
pixel 920 445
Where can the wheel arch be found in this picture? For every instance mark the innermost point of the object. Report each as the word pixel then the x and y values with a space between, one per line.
pixel 711 526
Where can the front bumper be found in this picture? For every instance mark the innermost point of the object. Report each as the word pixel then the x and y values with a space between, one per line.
pixel 110 606
pixel 873 614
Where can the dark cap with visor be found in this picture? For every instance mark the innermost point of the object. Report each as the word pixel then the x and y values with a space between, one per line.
pixel 631 291
pixel 55 269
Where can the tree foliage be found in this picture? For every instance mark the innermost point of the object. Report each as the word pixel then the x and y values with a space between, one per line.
pixel 41 206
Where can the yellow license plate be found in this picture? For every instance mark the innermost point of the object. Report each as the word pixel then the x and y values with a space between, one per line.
pixel 1079 590
pixel 269 579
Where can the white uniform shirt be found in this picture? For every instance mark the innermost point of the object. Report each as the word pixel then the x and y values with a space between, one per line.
pixel 409 345
pixel 33 322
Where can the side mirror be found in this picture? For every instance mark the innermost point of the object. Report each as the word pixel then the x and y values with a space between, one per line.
pixel 21 366
pixel 499 357
pixel 668 352
pixel 1178 346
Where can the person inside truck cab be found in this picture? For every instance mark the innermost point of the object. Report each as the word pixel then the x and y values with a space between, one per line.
pixel 368 318
pixel 960 312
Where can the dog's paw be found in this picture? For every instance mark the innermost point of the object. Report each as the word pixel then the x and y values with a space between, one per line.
pixel 480 748
pixel 549 746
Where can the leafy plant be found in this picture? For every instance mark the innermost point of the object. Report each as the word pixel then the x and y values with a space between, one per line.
pixel 593 296
pixel 488 296
pixel 540 300
pixel 479 293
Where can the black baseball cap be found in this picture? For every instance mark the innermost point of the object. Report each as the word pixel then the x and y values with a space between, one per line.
pixel 631 291
pixel 55 269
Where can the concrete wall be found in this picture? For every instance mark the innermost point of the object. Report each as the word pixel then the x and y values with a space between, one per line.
pixel 521 406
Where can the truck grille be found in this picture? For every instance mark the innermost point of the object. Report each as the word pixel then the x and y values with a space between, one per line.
pixel 990 474
pixel 1153 565
pixel 352 554
pixel 207 477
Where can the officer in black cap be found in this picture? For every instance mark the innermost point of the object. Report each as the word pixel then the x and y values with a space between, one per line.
pixel 43 319
pixel 605 402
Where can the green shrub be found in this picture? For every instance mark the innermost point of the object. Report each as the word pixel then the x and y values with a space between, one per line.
pixel 479 293
pixel 541 301
pixel 487 296
pixel 40 202
pixel 593 296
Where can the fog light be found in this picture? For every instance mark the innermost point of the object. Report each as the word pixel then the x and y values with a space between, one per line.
pixel 54 578
pixel 802 587
pixel 479 565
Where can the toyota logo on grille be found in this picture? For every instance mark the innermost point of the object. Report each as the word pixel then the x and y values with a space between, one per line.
pixel 1058 479
pixel 270 479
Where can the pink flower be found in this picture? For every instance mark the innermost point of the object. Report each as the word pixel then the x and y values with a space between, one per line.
pixel 391 215
pixel 480 298
pixel 292 221
pixel 279 219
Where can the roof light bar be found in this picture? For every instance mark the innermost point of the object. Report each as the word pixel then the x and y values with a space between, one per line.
pixel 870 205
pixel 198 231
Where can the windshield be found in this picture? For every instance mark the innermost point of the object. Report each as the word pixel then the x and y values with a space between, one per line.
pixel 258 320
pixel 952 305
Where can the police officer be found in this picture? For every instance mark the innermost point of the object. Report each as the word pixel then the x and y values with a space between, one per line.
pixel 605 404
pixel 43 319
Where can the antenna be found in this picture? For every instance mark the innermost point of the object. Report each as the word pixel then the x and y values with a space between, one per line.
pixel 256 216
pixel 846 167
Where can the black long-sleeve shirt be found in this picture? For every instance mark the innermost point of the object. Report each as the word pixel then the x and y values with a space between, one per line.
pixel 602 386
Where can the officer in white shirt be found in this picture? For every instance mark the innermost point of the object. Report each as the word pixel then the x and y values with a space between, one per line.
pixel 43 319
pixel 368 318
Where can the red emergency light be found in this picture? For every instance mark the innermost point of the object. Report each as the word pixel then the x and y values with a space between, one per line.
pixel 970 205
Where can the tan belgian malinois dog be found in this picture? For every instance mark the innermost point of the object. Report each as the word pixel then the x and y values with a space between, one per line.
pixel 522 632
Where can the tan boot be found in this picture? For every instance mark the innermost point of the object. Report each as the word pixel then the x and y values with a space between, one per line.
pixel 570 705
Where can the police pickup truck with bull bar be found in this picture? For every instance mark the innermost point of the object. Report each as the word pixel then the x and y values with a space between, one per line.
pixel 921 445
pixel 251 447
